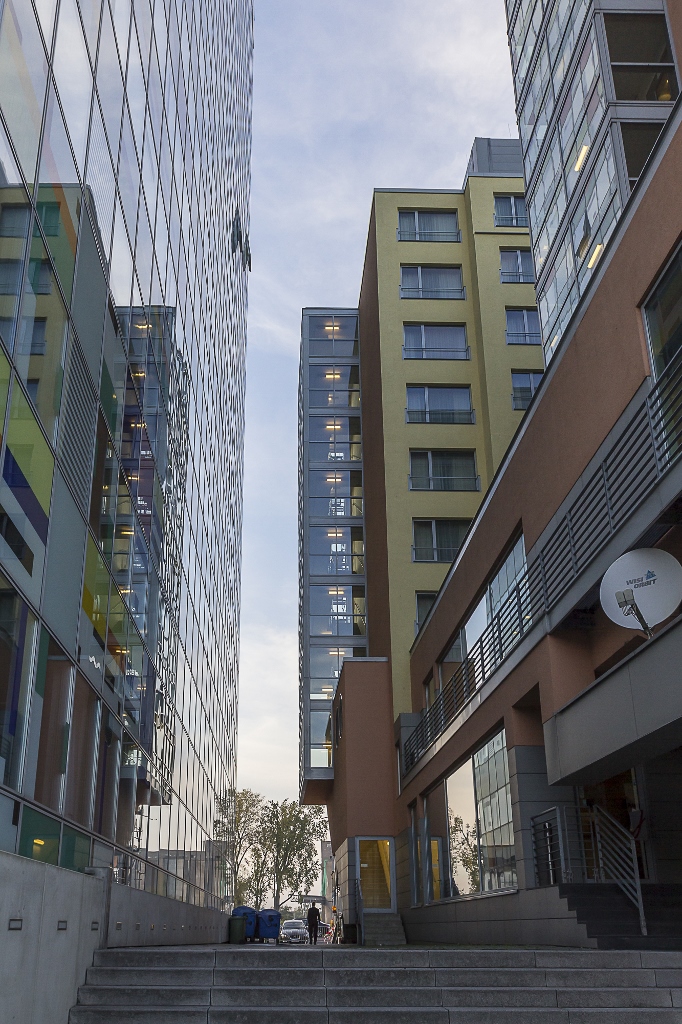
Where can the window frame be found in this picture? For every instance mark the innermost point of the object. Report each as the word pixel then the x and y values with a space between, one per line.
pixel 526 333
pixel 452 353
pixel 432 296
pixel 518 276
pixel 516 220
pixel 446 236
pixel 468 416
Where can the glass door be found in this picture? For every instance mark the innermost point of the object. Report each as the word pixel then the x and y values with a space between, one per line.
pixel 375 871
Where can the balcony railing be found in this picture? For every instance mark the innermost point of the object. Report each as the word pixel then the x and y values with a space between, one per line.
pixel 445 483
pixel 410 235
pixel 338 625
pixel 512 221
pixel 521 398
pixel 440 416
pixel 331 507
pixel 523 337
pixel 422 553
pixel 433 293
pixel 646 449
pixel 516 277
pixel 428 352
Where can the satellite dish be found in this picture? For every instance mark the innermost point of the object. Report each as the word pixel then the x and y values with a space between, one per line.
pixel 642 588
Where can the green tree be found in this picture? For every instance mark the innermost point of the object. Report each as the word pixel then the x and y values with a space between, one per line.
pixel 237 824
pixel 289 837
pixel 464 850
pixel 257 881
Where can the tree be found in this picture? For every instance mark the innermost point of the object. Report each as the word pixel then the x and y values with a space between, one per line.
pixel 256 882
pixel 464 850
pixel 289 837
pixel 237 823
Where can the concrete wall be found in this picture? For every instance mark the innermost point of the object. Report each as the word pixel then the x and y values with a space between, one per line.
pixel 663 782
pixel 536 917
pixel 51 922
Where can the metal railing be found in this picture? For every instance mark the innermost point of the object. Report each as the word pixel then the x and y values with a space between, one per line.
pixel 429 352
pixel 433 293
pixel 512 221
pixel 359 912
pixel 444 483
pixel 413 235
pixel 516 277
pixel 647 448
pixel 440 416
pixel 523 337
pixel 433 553
pixel 586 844
pixel 521 398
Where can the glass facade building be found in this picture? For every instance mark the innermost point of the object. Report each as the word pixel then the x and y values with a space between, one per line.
pixel 124 204
pixel 594 83
pixel 332 616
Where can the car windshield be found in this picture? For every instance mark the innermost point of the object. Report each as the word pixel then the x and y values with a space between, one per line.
pixel 293 924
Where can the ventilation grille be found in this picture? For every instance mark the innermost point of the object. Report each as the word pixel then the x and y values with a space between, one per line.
pixel 77 428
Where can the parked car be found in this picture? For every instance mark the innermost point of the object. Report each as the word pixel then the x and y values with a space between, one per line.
pixel 293 931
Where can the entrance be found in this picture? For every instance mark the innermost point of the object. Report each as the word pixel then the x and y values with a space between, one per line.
pixel 376 874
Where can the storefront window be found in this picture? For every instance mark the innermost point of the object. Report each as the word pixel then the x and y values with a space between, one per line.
pixel 375 873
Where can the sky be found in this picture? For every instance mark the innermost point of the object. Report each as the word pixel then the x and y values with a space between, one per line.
pixel 349 95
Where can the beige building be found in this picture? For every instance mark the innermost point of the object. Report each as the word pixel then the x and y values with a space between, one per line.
pixel 450 354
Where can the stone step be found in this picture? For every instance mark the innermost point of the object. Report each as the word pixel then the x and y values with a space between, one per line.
pixel 383 977
pixel 251 995
pixel 376 996
pixel 146 1015
pixel 154 956
pixel 132 976
pixel 523 1015
pixel 244 956
pixel 548 977
pixel 238 976
pixel 143 995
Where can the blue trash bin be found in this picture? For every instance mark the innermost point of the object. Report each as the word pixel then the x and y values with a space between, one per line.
pixel 268 925
pixel 250 914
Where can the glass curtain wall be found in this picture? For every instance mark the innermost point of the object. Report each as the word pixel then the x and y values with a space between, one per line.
pixel 467 828
pixel 332 617
pixel 122 343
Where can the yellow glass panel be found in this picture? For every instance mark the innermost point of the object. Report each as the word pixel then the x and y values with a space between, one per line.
pixel 30 449
pixel 375 873
pixel 4 389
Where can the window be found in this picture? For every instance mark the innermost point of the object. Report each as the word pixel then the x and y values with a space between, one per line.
pixel 424 601
pixel 436 404
pixel 443 471
pixel 641 58
pixel 524 386
pixel 335 492
pixel 334 439
pixel 639 138
pixel 516 266
pixel 428 226
pixel 336 549
pixel 510 212
pixel 49 216
pixel 334 386
pixel 14 220
pixel 320 739
pixel 325 668
pixel 49 729
pixel 435 341
pixel 437 540
pixel 431 283
pixel 333 335
pixel 663 315
pixel 523 327
pixel 337 610
pixel 10 274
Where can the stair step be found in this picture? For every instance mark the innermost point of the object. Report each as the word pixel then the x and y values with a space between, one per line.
pixel 564 1016
pixel 396 996
pixel 131 976
pixel 251 995
pixel 143 995
pixel 134 1015
pixel 228 977
pixel 379 976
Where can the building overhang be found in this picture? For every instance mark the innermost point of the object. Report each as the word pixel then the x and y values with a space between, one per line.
pixel 629 715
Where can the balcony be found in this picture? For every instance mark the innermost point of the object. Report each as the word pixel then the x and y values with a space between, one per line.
pixel 445 483
pixel 433 554
pixel 407 235
pixel 432 293
pixel 511 221
pixel 440 416
pixel 436 353
pixel 523 337
pixel 516 277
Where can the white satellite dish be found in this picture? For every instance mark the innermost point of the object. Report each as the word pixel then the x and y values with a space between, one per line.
pixel 642 588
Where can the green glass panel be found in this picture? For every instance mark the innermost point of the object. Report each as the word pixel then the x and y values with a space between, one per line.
pixel 96 594
pixel 75 852
pixel 39 837
pixel 32 456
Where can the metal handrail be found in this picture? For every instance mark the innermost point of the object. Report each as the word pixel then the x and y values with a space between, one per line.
pixel 586 844
pixel 516 277
pixel 431 352
pixel 433 553
pixel 416 235
pixel 512 221
pixel 445 483
pixel 525 335
pixel 440 416
pixel 432 293
pixel 359 912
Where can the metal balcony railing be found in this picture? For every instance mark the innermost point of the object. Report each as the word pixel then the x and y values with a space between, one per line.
pixel 646 449
pixel 516 277
pixel 428 352
pixel 523 337
pixel 433 293
pixel 586 844
pixel 440 416
pixel 521 398
pixel 411 235
pixel 431 553
pixel 512 221
pixel 444 483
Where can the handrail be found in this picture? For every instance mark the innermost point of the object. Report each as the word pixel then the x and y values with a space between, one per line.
pixel 359 912
pixel 433 352
pixel 586 844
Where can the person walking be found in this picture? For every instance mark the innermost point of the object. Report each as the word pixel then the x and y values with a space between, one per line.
pixel 313 923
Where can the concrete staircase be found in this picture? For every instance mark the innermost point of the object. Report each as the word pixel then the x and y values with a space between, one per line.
pixel 613 921
pixel 337 985
pixel 384 930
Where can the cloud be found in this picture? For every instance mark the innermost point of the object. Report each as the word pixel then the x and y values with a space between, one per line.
pixel 348 95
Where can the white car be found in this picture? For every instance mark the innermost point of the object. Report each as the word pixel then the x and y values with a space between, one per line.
pixel 293 931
